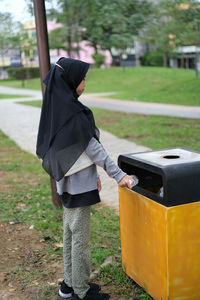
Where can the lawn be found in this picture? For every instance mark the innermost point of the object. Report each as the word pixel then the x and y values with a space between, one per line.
pixel 155 132
pixel 31 234
pixel 151 84
pixel 7 96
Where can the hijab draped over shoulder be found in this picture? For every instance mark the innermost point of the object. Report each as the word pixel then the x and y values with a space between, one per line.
pixel 66 125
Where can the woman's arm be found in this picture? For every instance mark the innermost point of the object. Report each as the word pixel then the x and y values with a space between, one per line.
pixel 98 155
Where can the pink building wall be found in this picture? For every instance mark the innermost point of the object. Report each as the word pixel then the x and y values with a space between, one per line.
pixel 85 52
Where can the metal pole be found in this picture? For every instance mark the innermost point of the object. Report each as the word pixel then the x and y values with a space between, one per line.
pixel 44 62
pixel 42 39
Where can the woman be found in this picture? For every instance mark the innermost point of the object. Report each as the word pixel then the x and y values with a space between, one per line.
pixel 68 143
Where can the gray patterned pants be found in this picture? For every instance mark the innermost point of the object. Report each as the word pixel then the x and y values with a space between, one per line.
pixel 76 249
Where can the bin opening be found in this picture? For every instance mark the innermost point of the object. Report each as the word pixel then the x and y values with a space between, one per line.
pixel 169 177
pixel 148 181
pixel 171 156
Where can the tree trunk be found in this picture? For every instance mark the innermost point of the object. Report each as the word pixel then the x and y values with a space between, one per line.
pixel 165 58
pixel 196 65
pixel 69 38
pixel 94 45
pixel 182 62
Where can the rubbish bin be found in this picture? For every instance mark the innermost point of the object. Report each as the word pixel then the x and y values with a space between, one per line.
pixel 160 222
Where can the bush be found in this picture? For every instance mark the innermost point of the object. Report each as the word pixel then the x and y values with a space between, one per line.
pixel 98 59
pixel 22 73
pixel 153 59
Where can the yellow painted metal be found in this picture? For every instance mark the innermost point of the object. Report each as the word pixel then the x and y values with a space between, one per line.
pixel 184 251
pixel 161 246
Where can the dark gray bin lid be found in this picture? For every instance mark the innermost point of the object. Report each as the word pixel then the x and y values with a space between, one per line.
pixel 176 170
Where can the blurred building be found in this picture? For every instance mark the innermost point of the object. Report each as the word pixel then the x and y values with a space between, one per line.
pixel 27 54
pixel 131 56
pixel 187 57
pixel 28 44
pixel 9 57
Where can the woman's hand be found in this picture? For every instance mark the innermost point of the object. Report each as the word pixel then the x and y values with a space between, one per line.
pixel 99 184
pixel 127 181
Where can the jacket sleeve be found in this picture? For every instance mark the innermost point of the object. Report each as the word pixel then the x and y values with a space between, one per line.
pixel 98 155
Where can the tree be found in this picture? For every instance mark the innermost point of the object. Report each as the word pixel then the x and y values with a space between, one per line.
pixel 9 37
pixel 187 15
pixel 58 40
pixel 173 23
pixel 67 13
pixel 104 24
pixel 114 23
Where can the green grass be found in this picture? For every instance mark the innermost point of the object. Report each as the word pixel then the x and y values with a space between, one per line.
pixel 163 85
pixel 151 84
pixel 7 96
pixel 32 84
pixel 155 132
pixel 24 181
pixel 35 103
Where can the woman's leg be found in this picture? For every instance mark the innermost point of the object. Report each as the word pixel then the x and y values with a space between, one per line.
pixel 80 228
pixel 67 241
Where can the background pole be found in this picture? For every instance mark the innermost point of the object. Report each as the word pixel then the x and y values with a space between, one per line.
pixel 44 62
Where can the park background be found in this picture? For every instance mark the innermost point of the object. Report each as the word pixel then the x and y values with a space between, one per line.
pixel 146 51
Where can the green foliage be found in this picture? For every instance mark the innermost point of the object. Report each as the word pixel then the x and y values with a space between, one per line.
pixel 173 23
pixel 103 23
pixel 68 14
pixel 9 37
pixel 57 39
pixel 99 59
pixel 116 22
pixel 22 73
pixel 152 59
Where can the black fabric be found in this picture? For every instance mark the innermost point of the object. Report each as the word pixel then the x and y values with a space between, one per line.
pixel 79 200
pixel 66 125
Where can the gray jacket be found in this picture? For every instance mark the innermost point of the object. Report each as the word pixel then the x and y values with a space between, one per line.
pixel 86 179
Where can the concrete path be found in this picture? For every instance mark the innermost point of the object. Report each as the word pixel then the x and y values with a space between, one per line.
pixel 147 108
pixel 20 123
pixel 100 100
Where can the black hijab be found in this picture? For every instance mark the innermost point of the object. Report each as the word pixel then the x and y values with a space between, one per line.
pixel 66 125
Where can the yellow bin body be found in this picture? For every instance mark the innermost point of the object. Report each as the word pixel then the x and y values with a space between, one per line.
pixel 161 246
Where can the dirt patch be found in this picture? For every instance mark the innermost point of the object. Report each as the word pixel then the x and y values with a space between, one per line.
pixel 5 178
pixel 26 270
pixel 110 121
pixel 9 180
pixel 175 124
pixel 139 136
pixel 23 266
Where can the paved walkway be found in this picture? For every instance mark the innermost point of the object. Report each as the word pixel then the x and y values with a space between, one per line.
pixel 20 123
pixel 100 100
pixel 147 108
